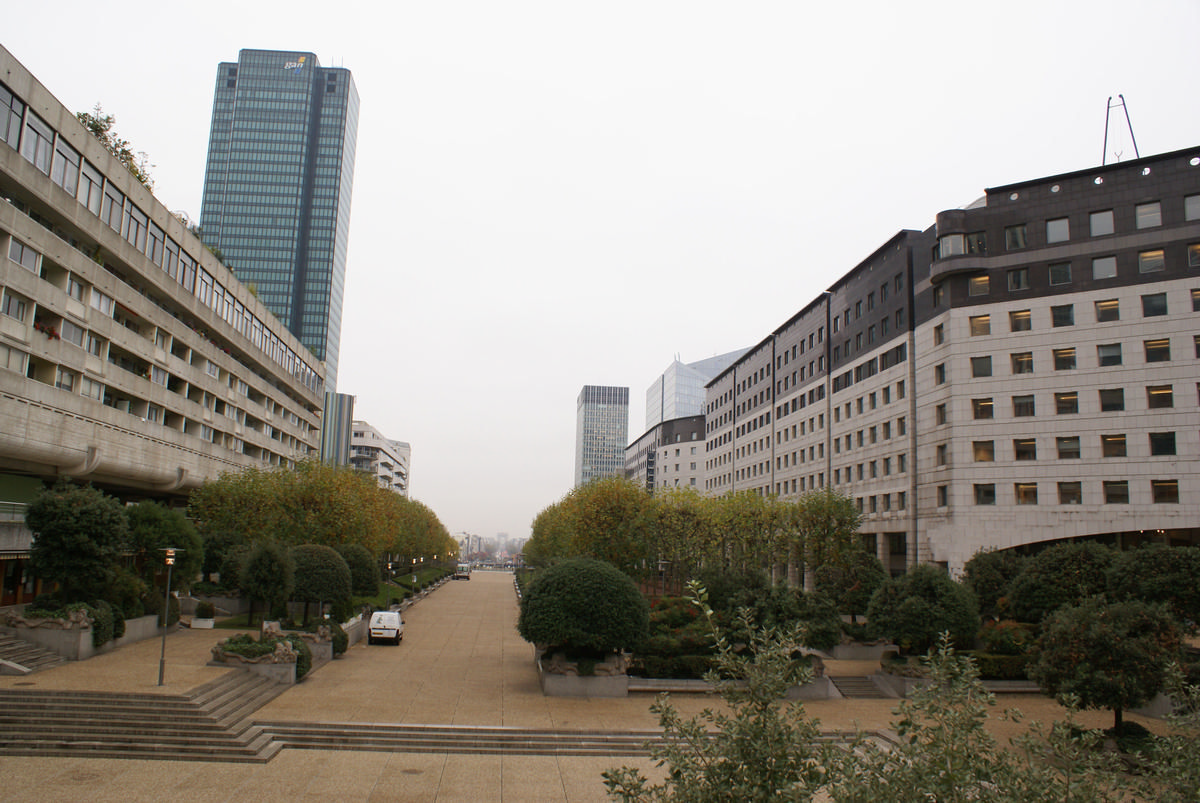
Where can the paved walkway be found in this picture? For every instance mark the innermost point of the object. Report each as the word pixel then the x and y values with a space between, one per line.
pixel 461 662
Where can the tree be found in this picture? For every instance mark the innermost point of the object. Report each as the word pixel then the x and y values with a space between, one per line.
pixel 912 610
pixel 364 569
pixel 1158 573
pixel 828 522
pixel 851 582
pixel 586 606
pixel 268 574
pixel 1107 655
pixel 101 127
pixel 1059 575
pixel 78 534
pixel 990 574
pixel 321 575
pixel 763 750
pixel 610 522
pixel 153 528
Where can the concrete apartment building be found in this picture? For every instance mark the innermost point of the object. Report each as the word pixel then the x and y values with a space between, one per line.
pixel 1024 371
pixel 129 356
pixel 386 460
pixel 668 455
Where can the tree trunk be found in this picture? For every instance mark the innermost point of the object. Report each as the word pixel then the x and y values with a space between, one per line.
pixel 1118 721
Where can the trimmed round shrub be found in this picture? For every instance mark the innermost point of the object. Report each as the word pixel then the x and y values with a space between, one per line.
pixel 585 606
pixel 205 610
pixel 913 609
pixel 341 639
pixel 303 654
pixel 1063 574
pixel 364 569
pixel 321 575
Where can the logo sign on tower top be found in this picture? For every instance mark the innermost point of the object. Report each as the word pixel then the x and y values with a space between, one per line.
pixel 295 66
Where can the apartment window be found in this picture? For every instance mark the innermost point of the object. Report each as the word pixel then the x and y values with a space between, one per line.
pixel 1066 403
pixel 902 466
pixel 943 495
pixel 14 306
pixel 939 414
pixel 1196 301
pixel 95 345
pixel 75 288
pixel 71 333
pixel 1060 273
pixel 1191 207
pixel 900 389
pixel 985 494
pixel 1154 304
pixel 1026 493
pixel 1058 230
pixel 1063 315
pixel 1014 237
pixel 1151 261
pixel 983 451
pixel 981 408
pixel 64 379
pixel 1064 359
pixel 1101 222
pixel 35 144
pixel 103 303
pixel 939 374
pixel 1112 400
pixel 978 286
pixel 1148 215
pixel 23 255
pixel 1070 493
pixel 981 325
pixel 981 366
pixel 1108 310
pixel 1068 447
pixel 1194 255
pixel 1165 492
pixel 1022 362
pixel 939 335
pixel 1022 406
pixel 1025 449
pixel 1020 320
pixel 1018 279
pixel 1158 350
pixel 92 389
pixel 1109 353
pixel 1112 445
pixel 1162 444
pixel 900 428
pixel 1160 396
pixel 943 455
pixel 1104 268
pixel 1116 492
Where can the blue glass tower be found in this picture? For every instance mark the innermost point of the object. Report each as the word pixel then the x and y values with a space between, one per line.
pixel 277 187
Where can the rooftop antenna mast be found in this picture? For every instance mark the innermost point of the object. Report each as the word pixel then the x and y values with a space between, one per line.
pixel 1107 112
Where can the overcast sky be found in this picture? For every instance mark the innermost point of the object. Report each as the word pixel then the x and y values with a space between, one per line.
pixel 553 194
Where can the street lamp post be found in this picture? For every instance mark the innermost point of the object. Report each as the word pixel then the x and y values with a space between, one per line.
pixel 162 659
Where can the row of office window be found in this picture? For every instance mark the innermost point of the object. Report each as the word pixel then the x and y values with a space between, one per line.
pixel 1070 492
pixel 1067 447
pixel 1106 310
pixel 1112 400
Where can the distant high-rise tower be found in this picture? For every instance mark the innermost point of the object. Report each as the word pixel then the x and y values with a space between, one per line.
pixel 601 430
pixel 277 187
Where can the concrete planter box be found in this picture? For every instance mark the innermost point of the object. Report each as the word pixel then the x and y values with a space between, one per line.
pixel 897 685
pixel 231 606
pixel 554 685
pixel 816 689
pixel 202 624
pixel 140 629
pixel 862 652
pixel 266 666
pixel 356 629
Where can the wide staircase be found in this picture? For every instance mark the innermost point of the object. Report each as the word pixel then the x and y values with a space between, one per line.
pixel 859 688
pixel 211 723
pixel 19 657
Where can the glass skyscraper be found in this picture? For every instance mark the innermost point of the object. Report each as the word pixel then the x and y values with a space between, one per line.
pixel 601 432
pixel 277 187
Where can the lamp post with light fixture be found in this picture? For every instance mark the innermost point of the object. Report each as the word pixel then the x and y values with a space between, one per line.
pixel 162 659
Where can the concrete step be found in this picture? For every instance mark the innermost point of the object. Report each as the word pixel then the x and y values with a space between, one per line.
pixel 211 723
pixel 861 687
pixel 458 740
pixel 28 657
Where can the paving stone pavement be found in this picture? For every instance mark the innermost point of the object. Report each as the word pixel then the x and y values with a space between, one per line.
pixel 461 663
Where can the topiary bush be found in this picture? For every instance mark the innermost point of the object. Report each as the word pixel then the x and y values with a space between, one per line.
pixel 205 610
pixel 341 639
pixel 1063 574
pixel 913 609
pixel 364 569
pixel 586 607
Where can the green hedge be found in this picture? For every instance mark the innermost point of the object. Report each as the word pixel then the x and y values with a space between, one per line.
pixel 1000 667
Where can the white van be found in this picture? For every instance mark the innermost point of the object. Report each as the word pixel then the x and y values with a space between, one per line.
pixel 462 571
pixel 385 626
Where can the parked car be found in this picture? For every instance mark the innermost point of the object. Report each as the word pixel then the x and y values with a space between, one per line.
pixel 385 626
pixel 462 571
